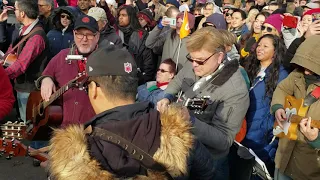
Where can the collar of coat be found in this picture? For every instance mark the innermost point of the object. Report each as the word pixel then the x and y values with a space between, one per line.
pixel 32 25
pixel 228 70
pixel 70 157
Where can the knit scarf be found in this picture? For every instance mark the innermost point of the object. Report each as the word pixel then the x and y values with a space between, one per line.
pixel 162 84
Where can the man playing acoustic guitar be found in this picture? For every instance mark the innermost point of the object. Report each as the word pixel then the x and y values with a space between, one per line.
pixel 76 105
pixel 300 159
pixel 29 49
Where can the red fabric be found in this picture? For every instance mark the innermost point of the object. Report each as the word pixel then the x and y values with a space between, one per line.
pixel 32 49
pixel 81 64
pixel 311 11
pixel 242 132
pixel 162 84
pixel 316 93
pixel 6 94
pixel 24 28
pixel 73 3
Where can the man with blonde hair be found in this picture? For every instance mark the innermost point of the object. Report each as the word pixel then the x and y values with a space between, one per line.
pixel 209 74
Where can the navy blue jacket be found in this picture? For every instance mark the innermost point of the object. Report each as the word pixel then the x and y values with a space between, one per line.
pixel 260 121
pixel 58 39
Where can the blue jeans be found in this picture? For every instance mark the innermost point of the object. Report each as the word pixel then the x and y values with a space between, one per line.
pixel 279 176
pixel 22 98
pixel 39 144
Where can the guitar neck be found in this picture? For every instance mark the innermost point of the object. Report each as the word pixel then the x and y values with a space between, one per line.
pixel 56 95
pixel 315 124
pixel 62 90
pixel 297 119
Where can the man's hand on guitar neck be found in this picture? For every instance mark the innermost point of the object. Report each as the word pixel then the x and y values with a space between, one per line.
pixel 280 116
pixel 305 127
pixel 47 88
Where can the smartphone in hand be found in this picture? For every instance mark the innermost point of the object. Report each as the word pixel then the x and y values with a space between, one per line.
pixel 290 21
pixel 315 16
pixel 171 21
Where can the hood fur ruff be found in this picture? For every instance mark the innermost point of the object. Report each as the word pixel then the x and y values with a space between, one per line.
pixel 70 159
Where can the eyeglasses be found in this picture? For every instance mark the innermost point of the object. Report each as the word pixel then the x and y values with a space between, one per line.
pixel 64 16
pixel 162 70
pixel 269 29
pixel 228 14
pixel 196 61
pixel 81 36
pixel 85 85
pixel 182 1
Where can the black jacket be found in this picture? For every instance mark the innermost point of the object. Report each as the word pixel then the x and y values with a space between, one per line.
pixel 109 36
pixel 291 52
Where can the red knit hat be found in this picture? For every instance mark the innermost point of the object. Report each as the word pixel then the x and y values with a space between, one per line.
pixel 276 21
pixel 312 11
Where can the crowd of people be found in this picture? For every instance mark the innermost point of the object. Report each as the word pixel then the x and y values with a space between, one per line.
pixel 161 104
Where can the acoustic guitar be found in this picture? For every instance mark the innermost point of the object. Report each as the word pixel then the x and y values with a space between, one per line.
pixel 295 112
pixel 198 105
pixel 11 147
pixel 43 115
pixel 10 59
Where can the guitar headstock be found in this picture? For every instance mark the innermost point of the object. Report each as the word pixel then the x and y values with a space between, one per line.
pixel 78 81
pixel 12 148
pixel 198 105
pixel 13 130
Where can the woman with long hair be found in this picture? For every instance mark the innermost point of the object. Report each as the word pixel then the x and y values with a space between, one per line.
pixel 253 36
pixel 265 71
pixel 133 37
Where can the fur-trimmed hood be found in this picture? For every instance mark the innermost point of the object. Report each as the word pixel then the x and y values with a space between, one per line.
pixel 70 154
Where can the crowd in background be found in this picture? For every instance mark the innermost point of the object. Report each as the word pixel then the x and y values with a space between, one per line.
pixel 263 36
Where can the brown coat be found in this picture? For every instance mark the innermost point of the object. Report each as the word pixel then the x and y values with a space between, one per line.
pixel 297 159
pixel 75 163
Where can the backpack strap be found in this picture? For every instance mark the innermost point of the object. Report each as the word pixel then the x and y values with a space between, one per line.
pixel 134 151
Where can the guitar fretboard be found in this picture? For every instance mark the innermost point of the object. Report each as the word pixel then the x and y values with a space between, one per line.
pixel 59 92
pixel 297 119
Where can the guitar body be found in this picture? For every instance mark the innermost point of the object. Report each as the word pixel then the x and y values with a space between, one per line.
pixel 296 111
pixel 42 119
pixel 10 59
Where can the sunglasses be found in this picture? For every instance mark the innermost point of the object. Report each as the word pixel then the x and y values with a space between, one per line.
pixel 183 1
pixel 269 29
pixel 162 70
pixel 65 16
pixel 228 14
pixel 198 62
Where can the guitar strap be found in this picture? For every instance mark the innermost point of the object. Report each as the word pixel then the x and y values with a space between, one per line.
pixel 191 93
pixel 312 97
pixel 134 151
pixel 34 30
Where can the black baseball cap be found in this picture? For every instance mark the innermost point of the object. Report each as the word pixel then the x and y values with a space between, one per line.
pixel 85 21
pixel 111 61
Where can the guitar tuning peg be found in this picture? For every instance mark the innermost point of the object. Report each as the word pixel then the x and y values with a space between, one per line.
pixel 10 155
pixel 2 151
